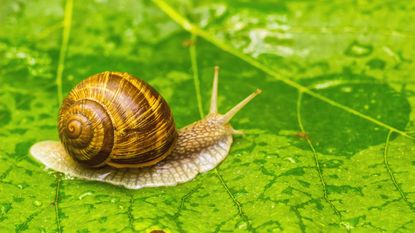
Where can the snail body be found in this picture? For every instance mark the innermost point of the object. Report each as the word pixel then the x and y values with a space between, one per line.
pixel 117 129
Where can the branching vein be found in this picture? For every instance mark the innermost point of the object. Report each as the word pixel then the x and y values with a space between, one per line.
pixel 390 172
pixel 235 201
pixel 315 155
pixel 184 199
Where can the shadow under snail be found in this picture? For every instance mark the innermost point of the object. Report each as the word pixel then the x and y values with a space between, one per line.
pixel 116 128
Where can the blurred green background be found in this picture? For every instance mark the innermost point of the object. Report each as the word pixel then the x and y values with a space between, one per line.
pixel 329 144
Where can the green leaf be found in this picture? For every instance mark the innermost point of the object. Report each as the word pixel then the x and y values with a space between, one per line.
pixel 329 144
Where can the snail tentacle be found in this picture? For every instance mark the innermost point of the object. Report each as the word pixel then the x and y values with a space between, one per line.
pixel 231 113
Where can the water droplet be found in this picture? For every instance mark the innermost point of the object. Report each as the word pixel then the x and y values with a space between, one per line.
pixel 347 225
pixel 83 195
pixel 21 55
pixel 22 186
pixel 331 149
pixel 37 203
pixel 357 49
pixel 346 89
pixel 291 160
pixel 68 177
pixel 242 225
pixel 366 107
pixel 31 61
pixel 71 77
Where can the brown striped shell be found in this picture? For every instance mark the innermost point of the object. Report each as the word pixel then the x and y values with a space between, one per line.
pixel 116 119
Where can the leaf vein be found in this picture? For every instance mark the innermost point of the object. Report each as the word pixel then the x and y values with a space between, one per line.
pixel 316 160
pixel 130 212
pixel 390 172
pixel 184 199
pixel 235 201
pixel 25 224
pixel 299 217
pixel 56 202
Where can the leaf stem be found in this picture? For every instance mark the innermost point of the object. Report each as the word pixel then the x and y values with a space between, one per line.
pixel 67 21
pixel 193 59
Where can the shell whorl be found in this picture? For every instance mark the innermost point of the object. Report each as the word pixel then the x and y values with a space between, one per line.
pixel 87 132
pixel 116 119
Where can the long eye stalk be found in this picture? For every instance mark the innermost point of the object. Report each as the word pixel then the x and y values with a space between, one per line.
pixel 214 99
pixel 228 116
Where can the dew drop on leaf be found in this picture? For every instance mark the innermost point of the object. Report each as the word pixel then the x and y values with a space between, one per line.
pixel 37 203
pixel 357 49
pixel 85 194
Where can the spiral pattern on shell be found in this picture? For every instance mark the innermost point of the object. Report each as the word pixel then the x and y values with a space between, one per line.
pixel 116 119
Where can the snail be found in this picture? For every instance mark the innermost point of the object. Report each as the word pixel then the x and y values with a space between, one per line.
pixel 116 128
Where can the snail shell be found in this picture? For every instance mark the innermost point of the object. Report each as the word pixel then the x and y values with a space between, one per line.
pixel 117 111
pixel 115 119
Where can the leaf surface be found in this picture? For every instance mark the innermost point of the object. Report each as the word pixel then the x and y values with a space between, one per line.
pixel 328 146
